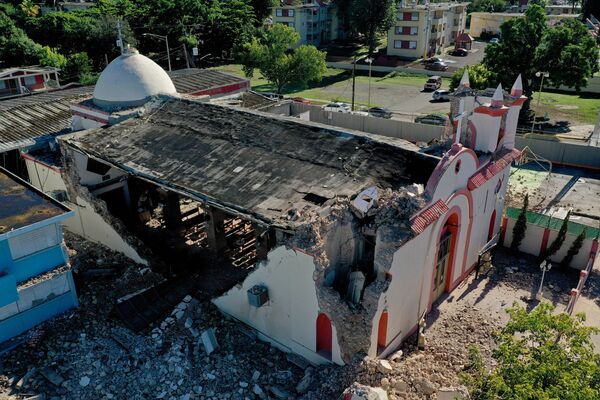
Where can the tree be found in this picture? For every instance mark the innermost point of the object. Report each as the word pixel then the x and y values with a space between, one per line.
pixel 514 54
pixel 574 249
pixel 569 53
pixel 372 17
pixel 486 6
pixel 540 356
pixel 590 7
pixel 262 9
pixel 520 226
pixel 479 77
pixel 270 53
pixel 528 45
pixel 29 8
pixel 232 23
pixel 559 239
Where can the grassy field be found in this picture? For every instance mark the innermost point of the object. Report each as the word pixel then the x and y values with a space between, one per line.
pixel 332 79
pixel 575 108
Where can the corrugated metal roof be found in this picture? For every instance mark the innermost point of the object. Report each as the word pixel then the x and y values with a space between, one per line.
pixel 193 80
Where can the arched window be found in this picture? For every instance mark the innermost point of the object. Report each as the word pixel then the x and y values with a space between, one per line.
pixel 324 336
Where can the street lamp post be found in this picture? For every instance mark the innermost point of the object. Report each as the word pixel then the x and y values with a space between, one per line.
pixel 545 266
pixel 166 39
pixel 542 75
pixel 370 61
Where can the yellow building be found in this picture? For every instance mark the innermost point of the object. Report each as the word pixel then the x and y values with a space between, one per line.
pixel 490 22
pixel 422 30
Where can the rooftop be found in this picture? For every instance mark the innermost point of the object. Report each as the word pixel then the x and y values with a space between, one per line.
pixel 22 204
pixel 260 165
pixel 555 193
pixel 193 80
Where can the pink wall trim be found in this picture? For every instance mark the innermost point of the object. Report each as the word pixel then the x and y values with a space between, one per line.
pixel 545 238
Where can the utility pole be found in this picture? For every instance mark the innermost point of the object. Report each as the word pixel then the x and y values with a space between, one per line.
pixel 120 39
pixel 187 62
pixel 353 81
pixel 543 75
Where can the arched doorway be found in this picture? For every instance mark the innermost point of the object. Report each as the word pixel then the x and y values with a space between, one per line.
pixel 446 254
pixel 382 331
pixel 492 226
pixel 324 336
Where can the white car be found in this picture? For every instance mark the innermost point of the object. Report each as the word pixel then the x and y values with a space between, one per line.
pixel 337 107
pixel 441 95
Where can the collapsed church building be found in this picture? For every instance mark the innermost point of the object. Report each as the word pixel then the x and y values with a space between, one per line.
pixel 346 239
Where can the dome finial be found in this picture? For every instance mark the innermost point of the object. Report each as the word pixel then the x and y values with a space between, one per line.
pixel 498 97
pixel 517 88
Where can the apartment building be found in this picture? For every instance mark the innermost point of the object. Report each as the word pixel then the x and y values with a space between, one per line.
pixel 316 21
pixel 423 29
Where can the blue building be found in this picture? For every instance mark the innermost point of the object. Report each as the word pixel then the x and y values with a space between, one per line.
pixel 35 279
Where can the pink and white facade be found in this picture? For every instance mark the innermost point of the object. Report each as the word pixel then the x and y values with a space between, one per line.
pixel 465 201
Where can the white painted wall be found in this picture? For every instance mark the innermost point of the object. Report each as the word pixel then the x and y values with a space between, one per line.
pixel 532 243
pixel 487 131
pixel 86 222
pixel 289 319
pixel 91 178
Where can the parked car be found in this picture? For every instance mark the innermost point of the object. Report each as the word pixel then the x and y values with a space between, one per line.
pixel 363 113
pixel 432 119
pixel 441 95
pixel 300 100
pixel 437 66
pixel 431 60
pixel 337 107
pixel 460 52
pixel 380 112
pixel 495 40
pixel 433 83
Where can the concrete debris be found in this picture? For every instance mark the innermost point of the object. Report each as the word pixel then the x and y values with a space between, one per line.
pixel 52 376
pixel 384 367
pixel 362 392
pixel 209 341
pixel 84 381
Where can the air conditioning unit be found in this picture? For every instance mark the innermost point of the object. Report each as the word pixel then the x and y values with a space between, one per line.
pixel 258 295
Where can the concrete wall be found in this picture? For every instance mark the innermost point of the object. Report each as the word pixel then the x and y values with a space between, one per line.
pixel 36 304
pixel 288 319
pixel 379 68
pixel 379 126
pixel 580 155
pixel 532 244
pixel 86 222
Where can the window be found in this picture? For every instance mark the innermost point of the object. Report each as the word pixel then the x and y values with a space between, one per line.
pixel 32 242
pixel 2 85
pixel 414 16
pixel 290 13
pixel 30 80
pixel 409 16
pixel 397 44
pixel 291 24
pixel 412 45
pixel 279 12
pixel 407 30
pixel 97 167
pixel 405 44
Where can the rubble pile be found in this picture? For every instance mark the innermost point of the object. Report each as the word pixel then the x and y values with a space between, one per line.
pixel 88 354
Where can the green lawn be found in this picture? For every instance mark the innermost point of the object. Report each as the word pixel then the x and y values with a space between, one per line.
pixel 582 108
pixel 335 78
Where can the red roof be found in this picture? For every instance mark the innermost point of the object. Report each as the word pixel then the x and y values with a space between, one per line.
pixel 464 37
pixel 493 168
pixel 428 216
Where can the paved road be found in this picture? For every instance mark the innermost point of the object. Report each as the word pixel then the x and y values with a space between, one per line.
pixel 475 56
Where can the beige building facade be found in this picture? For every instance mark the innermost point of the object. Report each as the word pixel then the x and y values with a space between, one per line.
pixel 422 30
pixel 490 22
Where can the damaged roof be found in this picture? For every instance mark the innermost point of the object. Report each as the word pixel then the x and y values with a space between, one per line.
pixel 261 165
pixel 22 204
pixel 196 81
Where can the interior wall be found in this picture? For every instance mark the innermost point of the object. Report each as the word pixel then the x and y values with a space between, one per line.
pixel 288 319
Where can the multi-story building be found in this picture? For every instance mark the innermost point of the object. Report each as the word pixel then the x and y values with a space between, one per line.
pixel 35 277
pixel 422 30
pixel 317 22
pixel 491 22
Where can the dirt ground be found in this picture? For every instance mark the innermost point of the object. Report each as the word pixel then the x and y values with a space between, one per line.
pixel 89 354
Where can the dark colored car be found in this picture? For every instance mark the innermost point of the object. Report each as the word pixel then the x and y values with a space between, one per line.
pixel 460 52
pixel 437 66
pixel 380 112
pixel 432 119
pixel 431 60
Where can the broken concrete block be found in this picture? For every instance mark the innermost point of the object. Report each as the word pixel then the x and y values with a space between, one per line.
pixel 396 355
pixel 451 393
pixel 255 376
pixel 365 201
pixel 84 381
pixel 179 314
pixel 305 382
pixel 209 341
pixel 24 381
pixel 257 390
pixel 363 392
pixel 52 376
pixel 187 299
pixel 279 393
pixel 188 323
pixel 424 386
pixel 384 367
pixel 355 286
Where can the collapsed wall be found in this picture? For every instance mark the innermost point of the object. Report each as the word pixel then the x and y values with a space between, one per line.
pixel 96 222
pixel 338 238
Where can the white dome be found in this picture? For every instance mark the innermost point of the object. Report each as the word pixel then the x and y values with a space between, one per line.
pixel 129 80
